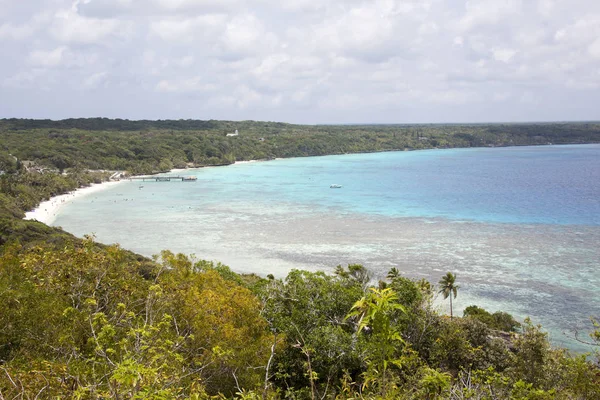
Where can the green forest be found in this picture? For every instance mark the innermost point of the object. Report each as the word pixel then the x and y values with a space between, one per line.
pixel 83 320
pixel 152 146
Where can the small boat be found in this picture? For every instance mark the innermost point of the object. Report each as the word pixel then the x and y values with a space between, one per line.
pixel 189 179
pixel 141 186
pixel 334 186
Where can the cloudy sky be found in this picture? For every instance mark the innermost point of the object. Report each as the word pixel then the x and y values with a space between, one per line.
pixel 302 61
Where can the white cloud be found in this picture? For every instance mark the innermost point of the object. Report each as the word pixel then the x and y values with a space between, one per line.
pixel 190 30
pixel 185 85
pixel 271 63
pixel 186 5
pixel 70 27
pixel 546 7
pixel 594 49
pixel 219 35
pixel 24 79
pixel 244 34
pixel 328 61
pixel 504 55
pixel 61 57
pixel 428 28
pixel 95 80
pixel 528 97
pixel 185 62
pixel 26 29
pixel 501 96
pixel 246 97
pixel 585 27
pixel 483 13
pixel 451 97
pixel 363 32
pixel 16 32
pixel 155 8
pixel 49 58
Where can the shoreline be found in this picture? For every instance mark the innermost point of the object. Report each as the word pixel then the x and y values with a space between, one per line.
pixel 180 170
pixel 47 210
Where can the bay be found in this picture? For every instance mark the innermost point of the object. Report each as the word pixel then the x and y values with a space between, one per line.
pixel 519 226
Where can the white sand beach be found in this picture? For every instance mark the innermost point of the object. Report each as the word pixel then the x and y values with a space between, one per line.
pixel 179 170
pixel 248 161
pixel 47 210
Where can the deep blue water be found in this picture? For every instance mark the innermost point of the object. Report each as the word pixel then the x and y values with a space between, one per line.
pixel 520 226
pixel 546 184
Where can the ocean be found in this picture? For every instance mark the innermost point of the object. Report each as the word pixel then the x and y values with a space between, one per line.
pixel 520 226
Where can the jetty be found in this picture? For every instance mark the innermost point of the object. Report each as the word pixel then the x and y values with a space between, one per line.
pixel 164 178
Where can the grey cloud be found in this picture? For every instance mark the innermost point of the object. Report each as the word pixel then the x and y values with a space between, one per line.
pixel 145 8
pixel 302 61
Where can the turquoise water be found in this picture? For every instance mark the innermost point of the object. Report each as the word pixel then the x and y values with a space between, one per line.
pixel 519 226
pixel 555 185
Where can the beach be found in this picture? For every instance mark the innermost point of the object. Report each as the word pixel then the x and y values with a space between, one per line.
pixel 248 161
pixel 47 211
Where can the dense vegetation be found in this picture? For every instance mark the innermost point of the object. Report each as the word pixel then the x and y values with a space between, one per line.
pixel 87 321
pixel 147 146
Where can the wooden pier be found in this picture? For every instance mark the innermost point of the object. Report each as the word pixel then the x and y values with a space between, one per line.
pixel 164 178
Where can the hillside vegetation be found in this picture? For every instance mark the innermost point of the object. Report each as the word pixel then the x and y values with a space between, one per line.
pixel 81 321
pixel 150 146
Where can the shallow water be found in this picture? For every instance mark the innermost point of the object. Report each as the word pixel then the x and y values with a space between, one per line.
pixel 519 226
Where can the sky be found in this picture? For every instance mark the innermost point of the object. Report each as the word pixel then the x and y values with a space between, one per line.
pixel 302 61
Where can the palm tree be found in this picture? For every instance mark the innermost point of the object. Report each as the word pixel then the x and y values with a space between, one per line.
pixel 449 288
pixel 394 273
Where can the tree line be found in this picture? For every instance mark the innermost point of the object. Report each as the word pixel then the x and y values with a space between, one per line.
pixel 153 146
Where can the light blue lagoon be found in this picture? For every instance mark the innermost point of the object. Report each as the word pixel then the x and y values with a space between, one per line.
pixel 520 226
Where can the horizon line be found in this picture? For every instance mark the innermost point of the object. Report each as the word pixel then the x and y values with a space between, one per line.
pixel 312 124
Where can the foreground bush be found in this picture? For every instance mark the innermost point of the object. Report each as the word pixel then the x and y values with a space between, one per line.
pixel 86 321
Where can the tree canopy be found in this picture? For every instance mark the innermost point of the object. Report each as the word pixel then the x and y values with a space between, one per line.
pixel 150 146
